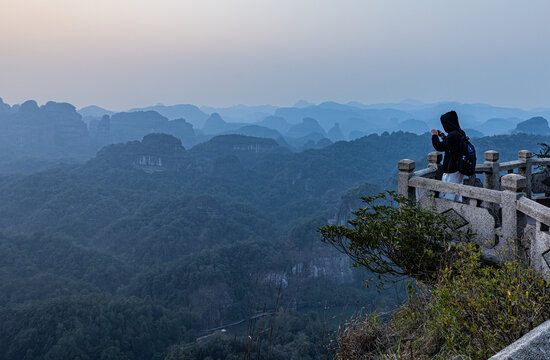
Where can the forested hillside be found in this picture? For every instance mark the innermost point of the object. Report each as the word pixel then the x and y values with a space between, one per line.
pixel 135 253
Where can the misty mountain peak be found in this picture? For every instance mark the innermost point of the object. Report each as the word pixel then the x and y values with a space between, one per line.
pixel 29 106
pixel 4 108
pixel 308 121
pixel 62 110
pixel 309 125
pixel 216 118
pixel 162 143
pixel 275 122
pixel 94 110
pixel 414 126
pixel 535 125
pixel 303 104
pixel 58 106
pixel 190 113
pixel 247 148
pixel 214 124
pixel 335 134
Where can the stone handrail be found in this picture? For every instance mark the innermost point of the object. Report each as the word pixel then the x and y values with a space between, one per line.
pixel 491 169
pixel 483 168
pixel 534 210
pixel 533 345
pixel 511 165
pixel 434 161
pixel 514 186
pixel 541 161
pixel 509 211
pixel 429 173
pixel 506 200
pixel 472 192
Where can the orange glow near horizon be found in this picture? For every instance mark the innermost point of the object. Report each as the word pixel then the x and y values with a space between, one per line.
pixel 124 53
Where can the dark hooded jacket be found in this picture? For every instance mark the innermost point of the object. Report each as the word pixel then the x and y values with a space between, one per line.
pixel 451 143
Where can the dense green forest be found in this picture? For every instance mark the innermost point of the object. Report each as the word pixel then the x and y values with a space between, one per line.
pixel 138 251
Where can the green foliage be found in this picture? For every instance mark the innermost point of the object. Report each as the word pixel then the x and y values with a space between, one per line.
pixel 472 310
pixel 460 307
pixel 197 241
pixel 509 145
pixel 360 337
pixel 39 266
pixel 391 235
pixel 88 327
pixel 285 335
pixel 203 241
pixel 479 310
pixel 544 151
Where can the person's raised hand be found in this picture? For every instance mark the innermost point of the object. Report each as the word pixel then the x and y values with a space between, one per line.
pixel 433 131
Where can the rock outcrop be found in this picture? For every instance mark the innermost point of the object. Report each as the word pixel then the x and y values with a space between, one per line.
pixel 306 127
pixel 536 126
pixel 51 129
pixel 335 134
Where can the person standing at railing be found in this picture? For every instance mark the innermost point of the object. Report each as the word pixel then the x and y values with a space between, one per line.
pixel 450 145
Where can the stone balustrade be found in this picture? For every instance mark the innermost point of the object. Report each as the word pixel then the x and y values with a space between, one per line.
pixel 506 209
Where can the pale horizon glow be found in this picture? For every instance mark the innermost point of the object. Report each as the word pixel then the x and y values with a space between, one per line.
pixel 120 54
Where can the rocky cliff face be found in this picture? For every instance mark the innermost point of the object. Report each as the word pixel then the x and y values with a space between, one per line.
pixel 156 152
pixel 215 303
pixel 37 131
pixel 103 131
pixel 342 212
pixel 70 130
pixel 148 163
pixel 327 265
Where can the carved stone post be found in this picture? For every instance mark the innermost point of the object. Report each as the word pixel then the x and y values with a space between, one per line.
pixel 406 168
pixel 434 159
pixel 513 221
pixel 526 155
pixel 491 179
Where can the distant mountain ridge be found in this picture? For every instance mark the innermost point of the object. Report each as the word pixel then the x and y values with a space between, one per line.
pixel 191 113
pixel 53 131
pixel 94 111
pixel 242 113
pixel 408 115
pixel 48 130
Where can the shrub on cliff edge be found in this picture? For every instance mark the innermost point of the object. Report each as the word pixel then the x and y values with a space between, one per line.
pixel 472 310
pixel 393 236
pixel 460 306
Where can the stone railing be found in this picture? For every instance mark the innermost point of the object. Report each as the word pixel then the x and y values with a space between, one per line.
pixel 507 210
pixel 532 346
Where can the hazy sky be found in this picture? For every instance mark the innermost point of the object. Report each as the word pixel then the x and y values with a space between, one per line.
pixel 125 53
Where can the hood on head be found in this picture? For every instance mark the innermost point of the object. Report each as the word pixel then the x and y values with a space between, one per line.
pixel 450 122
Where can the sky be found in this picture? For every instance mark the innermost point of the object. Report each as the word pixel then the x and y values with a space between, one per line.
pixel 128 53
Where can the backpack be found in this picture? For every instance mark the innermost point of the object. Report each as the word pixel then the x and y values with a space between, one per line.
pixel 467 158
